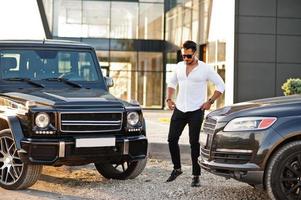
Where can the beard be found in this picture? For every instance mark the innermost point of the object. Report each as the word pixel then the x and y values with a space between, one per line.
pixel 189 62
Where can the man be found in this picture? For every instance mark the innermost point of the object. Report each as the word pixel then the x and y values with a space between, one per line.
pixel 191 75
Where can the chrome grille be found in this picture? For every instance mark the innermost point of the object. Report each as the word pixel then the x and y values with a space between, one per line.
pixel 209 130
pixel 90 122
pixel 209 152
pixel 205 153
pixel 209 126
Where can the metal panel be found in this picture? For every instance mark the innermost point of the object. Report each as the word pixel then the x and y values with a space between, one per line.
pixel 259 48
pixel 289 26
pixel 265 58
pixel 255 80
pixel 288 49
pixel 257 7
pixel 266 25
pixel 289 8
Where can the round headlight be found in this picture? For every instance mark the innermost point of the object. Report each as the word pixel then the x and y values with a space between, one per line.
pixel 133 118
pixel 42 120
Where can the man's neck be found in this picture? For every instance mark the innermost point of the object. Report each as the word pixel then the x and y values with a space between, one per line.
pixel 193 63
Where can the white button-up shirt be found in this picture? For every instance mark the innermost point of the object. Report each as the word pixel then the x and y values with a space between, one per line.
pixel 193 88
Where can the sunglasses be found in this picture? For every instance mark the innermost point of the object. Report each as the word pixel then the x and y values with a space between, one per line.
pixel 187 56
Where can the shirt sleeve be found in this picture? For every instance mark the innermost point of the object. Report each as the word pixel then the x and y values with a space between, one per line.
pixel 173 80
pixel 216 79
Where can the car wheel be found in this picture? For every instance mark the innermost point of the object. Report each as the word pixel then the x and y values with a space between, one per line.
pixel 14 174
pixel 283 174
pixel 123 170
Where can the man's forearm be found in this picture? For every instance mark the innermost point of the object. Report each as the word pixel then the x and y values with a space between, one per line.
pixel 170 93
pixel 215 95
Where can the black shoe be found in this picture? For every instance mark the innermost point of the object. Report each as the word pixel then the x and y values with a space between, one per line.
pixel 174 174
pixel 195 181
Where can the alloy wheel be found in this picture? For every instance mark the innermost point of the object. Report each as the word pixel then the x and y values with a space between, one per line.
pixel 290 177
pixel 121 167
pixel 11 166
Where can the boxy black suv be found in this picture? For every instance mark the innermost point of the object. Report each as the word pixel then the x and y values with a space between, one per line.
pixel 55 109
pixel 257 142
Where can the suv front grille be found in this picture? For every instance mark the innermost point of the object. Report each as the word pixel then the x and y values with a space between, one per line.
pixel 231 157
pixel 209 152
pixel 90 122
pixel 209 130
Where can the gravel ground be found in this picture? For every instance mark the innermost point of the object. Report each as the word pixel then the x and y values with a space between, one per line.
pixel 84 183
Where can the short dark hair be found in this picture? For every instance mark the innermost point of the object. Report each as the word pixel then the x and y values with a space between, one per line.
pixel 189 45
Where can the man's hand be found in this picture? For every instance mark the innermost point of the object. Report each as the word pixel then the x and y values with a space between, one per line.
pixel 171 104
pixel 206 106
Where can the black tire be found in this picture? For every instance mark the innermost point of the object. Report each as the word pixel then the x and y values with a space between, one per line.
pixel 14 174
pixel 283 173
pixel 122 171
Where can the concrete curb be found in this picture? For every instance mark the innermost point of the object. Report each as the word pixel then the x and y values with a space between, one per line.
pixel 161 151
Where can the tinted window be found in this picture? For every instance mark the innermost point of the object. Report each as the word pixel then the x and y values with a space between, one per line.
pixel 41 64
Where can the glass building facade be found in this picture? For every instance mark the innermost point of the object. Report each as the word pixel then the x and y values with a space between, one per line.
pixel 137 41
pixel 197 20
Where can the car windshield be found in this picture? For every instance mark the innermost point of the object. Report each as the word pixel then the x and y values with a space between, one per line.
pixel 48 64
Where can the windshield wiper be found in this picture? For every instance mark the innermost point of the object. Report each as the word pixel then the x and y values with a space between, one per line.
pixel 27 80
pixel 64 80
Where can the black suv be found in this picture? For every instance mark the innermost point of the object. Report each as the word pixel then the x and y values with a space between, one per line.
pixel 55 109
pixel 257 142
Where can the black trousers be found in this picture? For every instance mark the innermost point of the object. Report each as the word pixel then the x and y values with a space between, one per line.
pixel 178 121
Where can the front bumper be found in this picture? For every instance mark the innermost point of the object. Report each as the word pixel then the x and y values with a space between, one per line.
pixel 238 155
pixel 248 172
pixel 64 151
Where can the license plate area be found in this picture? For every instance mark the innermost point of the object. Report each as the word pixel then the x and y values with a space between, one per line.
pixel 203 139
pixel 95 142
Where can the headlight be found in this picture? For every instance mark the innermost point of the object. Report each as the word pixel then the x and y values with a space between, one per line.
pixel 133 118
pixel 250 123
pixel 42 120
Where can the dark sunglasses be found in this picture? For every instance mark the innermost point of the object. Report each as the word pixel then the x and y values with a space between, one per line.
pixel 187 55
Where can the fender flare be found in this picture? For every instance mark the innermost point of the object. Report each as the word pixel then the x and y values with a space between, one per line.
pixel 15 127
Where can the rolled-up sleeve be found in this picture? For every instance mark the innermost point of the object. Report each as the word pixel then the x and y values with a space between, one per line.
pixel 173 80
pixel 216 79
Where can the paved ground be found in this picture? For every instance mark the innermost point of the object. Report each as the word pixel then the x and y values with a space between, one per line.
pixel 84 183
pixel 157 126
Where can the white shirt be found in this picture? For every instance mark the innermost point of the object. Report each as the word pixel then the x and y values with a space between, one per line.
pixel 193 88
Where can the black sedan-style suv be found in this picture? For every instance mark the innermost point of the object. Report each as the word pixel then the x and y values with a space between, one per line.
pixel 257 142
pixel 55 109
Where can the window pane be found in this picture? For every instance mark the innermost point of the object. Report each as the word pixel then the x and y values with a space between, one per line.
pixel 123 71
pixel 75 18
pixel 151 21
pixel 174 25
pixel 67 18
pixel 124 20
pixel 96 18
pixel 195 20
pixel 149 79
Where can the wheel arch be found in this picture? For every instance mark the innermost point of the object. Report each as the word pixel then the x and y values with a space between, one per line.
pixel 290 138
pixel 12 122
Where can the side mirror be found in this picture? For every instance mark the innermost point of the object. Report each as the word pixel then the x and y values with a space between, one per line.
pixel 109 81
